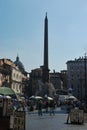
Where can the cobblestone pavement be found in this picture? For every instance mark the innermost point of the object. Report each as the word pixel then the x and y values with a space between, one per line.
pixel 53 122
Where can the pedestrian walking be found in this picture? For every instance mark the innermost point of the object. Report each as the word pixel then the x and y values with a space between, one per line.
pixel 52 107
pixel 31 106
pixel 70 107
pixel 46 106
pixel 40 107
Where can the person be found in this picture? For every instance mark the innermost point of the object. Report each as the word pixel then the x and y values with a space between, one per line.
pixel 40 107
pixel 31 106
pixel 52 107
pixel 46 106
pixel 70 107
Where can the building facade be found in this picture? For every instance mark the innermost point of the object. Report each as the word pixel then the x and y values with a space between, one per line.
pixel 20 77
pixel 36 81
pixel 11 76
pixel 59 80
pixel 76 77
pixel 5 72
pixel 56 80
pixel 16 80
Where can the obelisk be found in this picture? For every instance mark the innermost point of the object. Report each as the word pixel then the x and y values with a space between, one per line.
pixel 45 65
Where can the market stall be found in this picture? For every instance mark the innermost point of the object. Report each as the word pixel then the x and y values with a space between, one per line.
pixel 76 116
pixel 6 107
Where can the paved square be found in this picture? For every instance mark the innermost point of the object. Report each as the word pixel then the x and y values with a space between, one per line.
pixel 54 122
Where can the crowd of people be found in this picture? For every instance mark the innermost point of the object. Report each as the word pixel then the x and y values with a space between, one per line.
pixel 46 106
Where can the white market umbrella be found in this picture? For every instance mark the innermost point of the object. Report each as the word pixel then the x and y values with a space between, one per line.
pixel 32 97
pixel 38 97
pixel 35 97
pixel 8 97
pixel 5 97
pixel 71 98
pixel 1 96
pixel 49 98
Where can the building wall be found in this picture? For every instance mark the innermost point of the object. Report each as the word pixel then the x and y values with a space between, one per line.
pixel 55 80
pixel 35 76
pixel 76 77
pixel 63 75
pixel 11 76
pixel 5 73
pixel 1 79
pixel 16 80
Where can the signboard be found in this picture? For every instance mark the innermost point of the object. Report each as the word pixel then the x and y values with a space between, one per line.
pixel 76 116
pixel 19 120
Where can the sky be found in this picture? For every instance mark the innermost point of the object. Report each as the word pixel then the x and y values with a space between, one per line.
pixel 22 31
